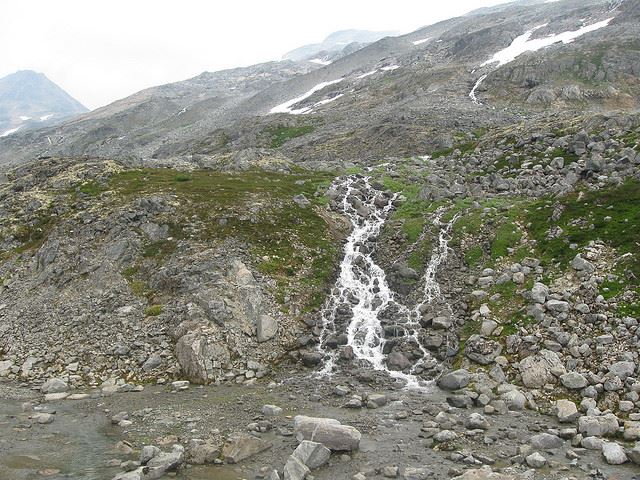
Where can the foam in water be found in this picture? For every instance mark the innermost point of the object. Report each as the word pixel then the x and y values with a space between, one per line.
pixel 362 284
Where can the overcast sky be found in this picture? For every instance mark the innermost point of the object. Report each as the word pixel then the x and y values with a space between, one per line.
pixel 100 51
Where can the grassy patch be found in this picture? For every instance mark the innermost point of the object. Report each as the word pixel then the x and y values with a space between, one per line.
pixel 281 134
pixel 291 244
pixel 473 255
pixel 153 310
pixel 611 215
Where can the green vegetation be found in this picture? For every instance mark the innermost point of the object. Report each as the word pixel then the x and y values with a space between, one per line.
pixel 473 256
pixel 291 244
pixel 611 215
pixel 91 188
pixel 281 134
pixel 153 310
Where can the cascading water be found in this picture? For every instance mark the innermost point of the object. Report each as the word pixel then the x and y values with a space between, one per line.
pixel 352 314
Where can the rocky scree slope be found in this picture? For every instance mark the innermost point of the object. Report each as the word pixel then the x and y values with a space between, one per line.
pixel 397 96
pixel 109 273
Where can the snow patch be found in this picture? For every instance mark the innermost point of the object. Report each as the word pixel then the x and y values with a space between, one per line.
pixel 24 118
pixel 46 117
pixel 9 132
pixel 523 43
pixel 364 75
pixel 286 106
pixel 390 68
pixel 420 42
pixel 320 61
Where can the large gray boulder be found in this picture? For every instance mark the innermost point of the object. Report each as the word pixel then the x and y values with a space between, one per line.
pixel 54 385
pixel 327 431
pixel 312 454
pixel 592 426
pixel 454 380
pixel 266 328
pixel 240 446
pixel 537 370
pixel 201 357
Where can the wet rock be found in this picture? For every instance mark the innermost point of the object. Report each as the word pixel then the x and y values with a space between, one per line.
pixel 376 400
pixel 397 361
pixel 240 446
pixel 147 453
pixel 327 431
pixel 311 359
pixel 454 380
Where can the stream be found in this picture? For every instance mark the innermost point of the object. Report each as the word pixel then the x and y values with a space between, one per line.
pixel 353 314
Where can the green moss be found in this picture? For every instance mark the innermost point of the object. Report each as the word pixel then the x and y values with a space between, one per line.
pixel 182 177
pixel 611 215
pixel 153 310
pixel 91 188
pixel 473 255
pixel 281 134
pixel 507 236
pixel 291 244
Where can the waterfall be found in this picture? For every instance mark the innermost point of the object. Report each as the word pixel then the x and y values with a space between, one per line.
pixel 361 293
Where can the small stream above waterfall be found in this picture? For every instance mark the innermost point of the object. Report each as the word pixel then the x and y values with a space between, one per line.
pixel 362 307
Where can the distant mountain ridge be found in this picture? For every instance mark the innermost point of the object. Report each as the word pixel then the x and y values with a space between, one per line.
pixel 331 47
pixel 29 99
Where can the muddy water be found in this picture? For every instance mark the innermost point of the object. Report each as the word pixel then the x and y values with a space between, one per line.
pixel 76 444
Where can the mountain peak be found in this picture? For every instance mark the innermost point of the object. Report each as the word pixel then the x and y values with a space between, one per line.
pixel 28 98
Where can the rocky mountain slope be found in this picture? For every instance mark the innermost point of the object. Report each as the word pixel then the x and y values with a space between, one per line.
pixel 29 100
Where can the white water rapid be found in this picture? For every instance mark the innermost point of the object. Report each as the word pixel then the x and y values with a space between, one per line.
pixel 361 299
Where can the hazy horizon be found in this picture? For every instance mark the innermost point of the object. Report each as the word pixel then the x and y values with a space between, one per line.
pixel 99 54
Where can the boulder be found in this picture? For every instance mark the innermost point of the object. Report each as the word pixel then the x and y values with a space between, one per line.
pixel 546 441
pixel 539 293
pixel 574 380
pixel 614 453
pixel 312 454
pixel 294 469
pixel 536 460
pixel 240 446
pixel 536 370
pixel 54 385
pixel 201 358
pixel 327 431
pixel 593 426
pixel 566 411
pixel 266 328
pixel 454 380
